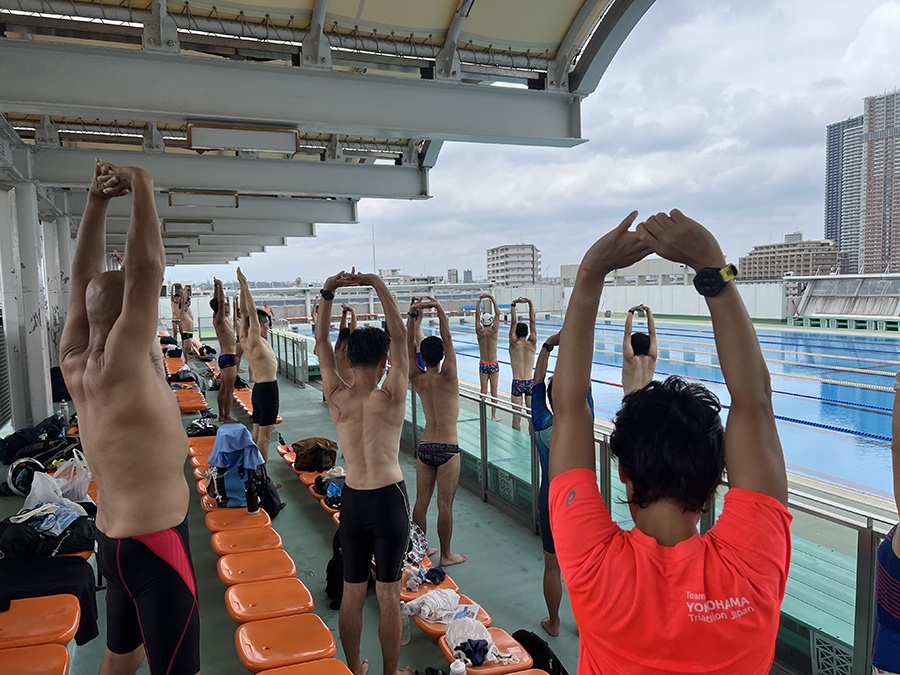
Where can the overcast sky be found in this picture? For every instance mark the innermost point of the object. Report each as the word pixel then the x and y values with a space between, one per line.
pixel 717 107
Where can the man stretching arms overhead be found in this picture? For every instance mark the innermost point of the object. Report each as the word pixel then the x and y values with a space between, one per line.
pixel 486 330
pixel 227 345
pixel 438 387
pixel 110 358
pixel 638 352
pixel 522 346
pixel 660 598
pixel 374 503
pixel 262 362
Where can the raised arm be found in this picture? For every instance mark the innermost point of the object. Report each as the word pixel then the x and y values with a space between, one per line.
pixel 144 267
pixel 331 380
pixel 753 454
pixel 651 329
pixel 572 443
pixel 532 321
pixel 414 316
pixel 627 349
pixel 543 359
pixel 513 320
pixel 249 320
pixel 448 368
pixel 495 327
pixel 87 262
pixel 398 376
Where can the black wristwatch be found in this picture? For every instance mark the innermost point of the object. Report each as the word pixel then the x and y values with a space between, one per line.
pixel 710 281
pixel 631 311
pixel 326 294
pixel 548 347
pixel 413 315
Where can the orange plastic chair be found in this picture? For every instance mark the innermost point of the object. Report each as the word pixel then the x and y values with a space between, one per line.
pixel 407 596
pixel 336 517
pixel 86 555
pixel 315 494
pixel 245 568
pixel 198 462
pixel 49 659
pixel 330 511
pixel 200 456
pixel 201 487
pixel 506 645
pixel 93 490
pixel 268 599
pixel 282 449
pixel 286 640
pixel 202 443
pixel 39 621
pixel 235 519
pixel 289 458
pixel 436 630
pixel 200 474
pixel 320 667
pixel 245 541
pixel 308 477
pixel 208 504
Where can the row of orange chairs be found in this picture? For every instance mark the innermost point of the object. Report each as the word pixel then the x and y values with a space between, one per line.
pixel 436 631
pixel 190 399
pixel 278 633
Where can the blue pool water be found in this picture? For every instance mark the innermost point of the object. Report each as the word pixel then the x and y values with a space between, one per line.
pixel 833 421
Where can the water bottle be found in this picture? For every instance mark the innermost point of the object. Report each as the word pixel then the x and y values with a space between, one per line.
pixel 281 440
pixel 252 497
pixel 404 611
pixel 458 667
pixel 64 411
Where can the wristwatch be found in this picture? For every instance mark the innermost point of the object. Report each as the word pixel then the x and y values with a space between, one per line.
pixel 631 311
pixel 710 281
pixel 548 347
pixel 326 294
pixel 413 315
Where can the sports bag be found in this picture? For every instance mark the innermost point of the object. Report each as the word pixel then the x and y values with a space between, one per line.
pixel 315 454
pixel 265 488
pixel 51 450
pixel 543 656
pixel 334 572
pixel 22 540
pixel 52 427
pixel 201 427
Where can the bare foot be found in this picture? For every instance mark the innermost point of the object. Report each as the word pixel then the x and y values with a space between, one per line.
pixel 548 626
pixel 240 370
pixel 277 485
pixel 231 419
pixel 430 552
pixel 495 419
pixel 452 559
pixel 363 668
pixel 406 671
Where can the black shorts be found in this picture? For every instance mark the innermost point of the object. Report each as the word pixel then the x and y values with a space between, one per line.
pixel 265 403
pixel 186 336
pixel 374 521
pixel 437 454
pixel 151 598
pixel 227 361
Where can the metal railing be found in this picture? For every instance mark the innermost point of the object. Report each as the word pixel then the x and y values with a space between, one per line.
pixel 291 352
pixel 863 526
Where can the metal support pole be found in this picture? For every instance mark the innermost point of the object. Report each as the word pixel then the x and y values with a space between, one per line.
pixel 864 615
pixel 33 334
pixel 316 50
pixel 535 484
pixel 160 32
pixel 13 312
pixel 307 305
pixel 51 273
pixel 304 363
pixel 482 426
pixel 371 301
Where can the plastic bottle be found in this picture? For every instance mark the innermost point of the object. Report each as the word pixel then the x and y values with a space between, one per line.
pixel 404 611
pixel 281 440
pixel 64 411
pixel 458 667
pixel 252 497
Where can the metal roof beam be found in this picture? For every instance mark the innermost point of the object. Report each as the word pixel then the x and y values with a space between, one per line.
pixel 74 169
pixel 103 83
pixel 226 228
pixel 236 242
pixel 289 210
pixel 618 22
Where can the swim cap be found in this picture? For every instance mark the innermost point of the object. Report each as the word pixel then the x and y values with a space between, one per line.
pixel 487 319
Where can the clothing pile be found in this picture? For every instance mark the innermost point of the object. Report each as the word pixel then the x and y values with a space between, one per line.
pixel 441 606
pixel 471 642
pixel 416 576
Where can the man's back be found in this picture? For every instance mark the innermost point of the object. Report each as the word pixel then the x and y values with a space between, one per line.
pixel 260 355
pixel 637 371
pixel 521 356
pixel 439 393
pixel 224 332
pixel 487 343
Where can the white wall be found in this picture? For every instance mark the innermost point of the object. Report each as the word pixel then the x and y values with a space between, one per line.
pixel 545 298
pixel 763 301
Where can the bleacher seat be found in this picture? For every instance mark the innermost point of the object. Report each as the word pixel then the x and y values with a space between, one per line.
pixel 50 659
pixel 37 621
pixel 208 504
pixel 245 568
pixel 268 599
pixel 407 596
pixel 320 667
pixel 506 645
pixel 236 519
pixel 283 641
pixel 245 541
pixel 312 491
pixel 436 630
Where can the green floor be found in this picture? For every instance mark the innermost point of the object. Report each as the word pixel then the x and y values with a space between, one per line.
pixel 503 572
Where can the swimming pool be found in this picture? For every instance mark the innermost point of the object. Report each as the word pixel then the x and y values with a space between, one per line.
pixel 832 393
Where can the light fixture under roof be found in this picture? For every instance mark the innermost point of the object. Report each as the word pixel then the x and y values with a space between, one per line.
pixel 188 227
pixel 176 241
pixel 228 200
pixel 255 139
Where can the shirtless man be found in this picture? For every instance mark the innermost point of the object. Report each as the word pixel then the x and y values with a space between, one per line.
pixel 374 503
pixel 175 303
pixel 314 315
pixel 261 360
pixel 110 359
pixel 522 347
pixel 187 322
pixel 227 346
pixel 486 330
pixel 638 353
pixel 438 387
pixel 236 325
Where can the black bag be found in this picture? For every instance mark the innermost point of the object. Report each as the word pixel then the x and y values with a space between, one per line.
pixel 183 376
pixel 201 427
pixel 334 572
pixel 543 656
pixel 167 340
pixel 10 447
pixel 50 450
pixel 173 353
pixel 239 383
pixel 58 386
pixel 22 540
pixel 265 488
pixel 206 350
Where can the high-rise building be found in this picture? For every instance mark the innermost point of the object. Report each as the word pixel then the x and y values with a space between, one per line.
pixel 851 198
pixel 834 174
pixel 880 204
pixel 514 265
pixel 452 276
pixel 793 237
pixel 467 277
pixel 800 259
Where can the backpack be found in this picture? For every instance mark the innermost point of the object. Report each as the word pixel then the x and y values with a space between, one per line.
pixel 265 489
pixel 183 375
pixel 48 451
pixel 52 427
pixel 173 352
pixel 543 656
pixel 334 572
pixel 201 427
pixel 22 540
pixel 206 350
pixel 315 454
pixel 167 340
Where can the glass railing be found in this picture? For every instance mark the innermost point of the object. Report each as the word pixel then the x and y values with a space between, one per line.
pixel 828 612
pixel 291 353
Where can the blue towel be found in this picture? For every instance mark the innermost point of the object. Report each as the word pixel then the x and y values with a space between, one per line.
pixel 233 438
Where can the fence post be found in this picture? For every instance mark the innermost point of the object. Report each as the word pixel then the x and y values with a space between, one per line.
pixel 863 625
pixel 535 483
pixel 482 428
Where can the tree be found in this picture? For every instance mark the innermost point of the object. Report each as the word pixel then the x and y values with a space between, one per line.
pixel 298 282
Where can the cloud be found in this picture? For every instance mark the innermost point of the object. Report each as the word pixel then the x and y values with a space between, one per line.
pixel 716 107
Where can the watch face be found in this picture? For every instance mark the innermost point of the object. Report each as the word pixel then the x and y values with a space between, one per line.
pixel 709 281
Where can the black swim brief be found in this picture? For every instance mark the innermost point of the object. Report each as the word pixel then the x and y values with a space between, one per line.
pixel 437 454
pixel 151 598
pixel 374 521
pixel 264 400
pixel 187 336
pixel 227 361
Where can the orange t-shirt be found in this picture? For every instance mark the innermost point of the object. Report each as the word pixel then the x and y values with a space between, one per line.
pixel 711 604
